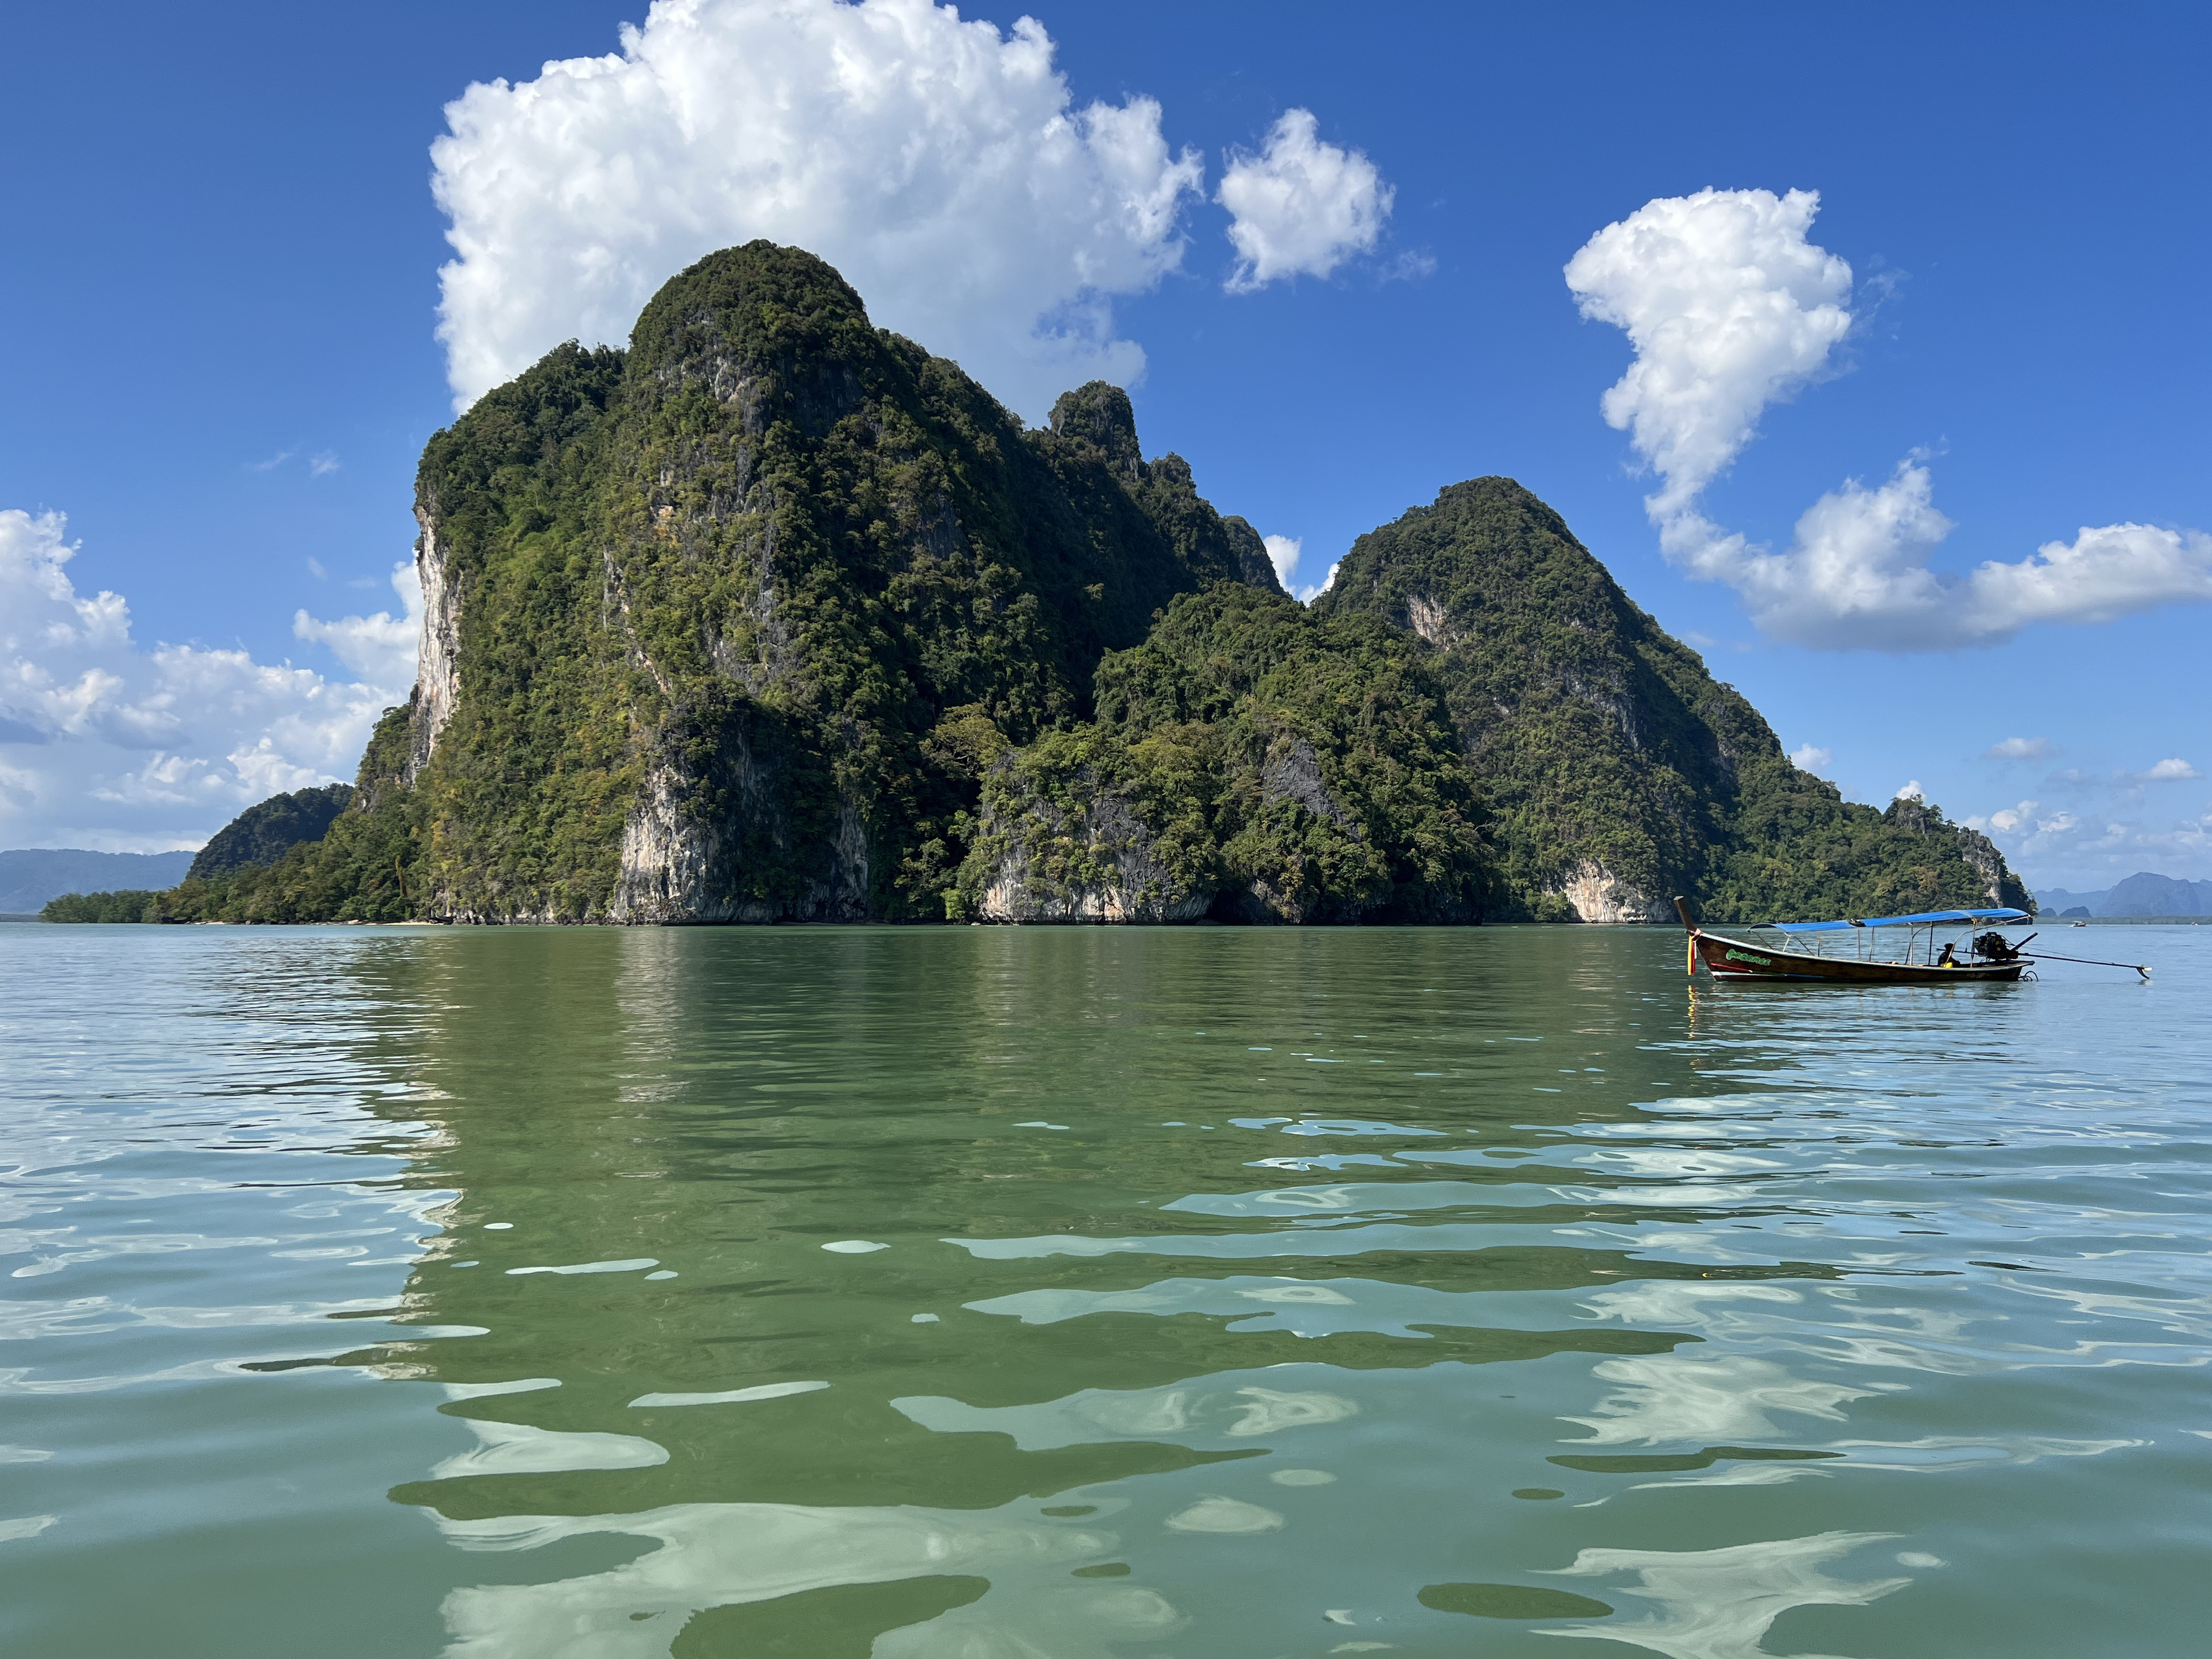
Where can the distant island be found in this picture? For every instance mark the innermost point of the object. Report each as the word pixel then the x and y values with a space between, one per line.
pixel 774 617
pixel 2143 894
pixel 29 877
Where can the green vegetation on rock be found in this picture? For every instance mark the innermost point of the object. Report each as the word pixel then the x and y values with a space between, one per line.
pixel 775 616
pixel 717 595
pixel 363 869
pixel 1620 772
pixel 1249 761
pixel 263 834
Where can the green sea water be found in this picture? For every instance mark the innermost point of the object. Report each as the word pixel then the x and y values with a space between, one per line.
pixel 523 1294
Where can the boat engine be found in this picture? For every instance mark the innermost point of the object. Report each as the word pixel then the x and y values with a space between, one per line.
pixel 1993 946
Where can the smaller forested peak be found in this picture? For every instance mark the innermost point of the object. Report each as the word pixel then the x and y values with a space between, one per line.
pixel 1482 542
pixel 1100 415
pixel 263 834
pixel 1250 547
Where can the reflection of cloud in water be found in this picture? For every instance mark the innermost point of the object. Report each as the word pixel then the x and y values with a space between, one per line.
pixel 1347 1240
pixel 1673 1303
pixel 1342 1198
pixel 1301 1307
pixel 712 1555
pixel 727 1396
pixel 518 1448
pixel 1329 1161
pixel 1096 1415
pixel 1728 1400
pixel 1717 1604
pixel 1831 1320
pixel 1330 1125
pixel 1936 1452
pixel 1683 1196
pixel 1671 1163
pixel 1224 1514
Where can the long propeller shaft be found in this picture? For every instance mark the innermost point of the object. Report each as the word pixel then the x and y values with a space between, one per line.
pixel 2090 962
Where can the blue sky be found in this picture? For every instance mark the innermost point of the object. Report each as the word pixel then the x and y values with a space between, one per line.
pixel 220 291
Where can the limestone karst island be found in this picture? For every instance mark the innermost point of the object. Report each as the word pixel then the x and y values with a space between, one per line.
pixel 774 617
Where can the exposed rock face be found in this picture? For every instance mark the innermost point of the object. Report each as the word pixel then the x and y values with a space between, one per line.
pixel 693 838
pixel 1292 773
pixel 1999 885
pixel 1597 894
pixel 438 655
pixel 1100 863
pixel 1427 618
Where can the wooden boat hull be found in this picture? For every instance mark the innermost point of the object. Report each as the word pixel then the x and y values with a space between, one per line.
pixel 1733 959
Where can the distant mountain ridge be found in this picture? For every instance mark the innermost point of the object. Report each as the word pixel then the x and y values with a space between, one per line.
pixel 30 876
pixel 2143 893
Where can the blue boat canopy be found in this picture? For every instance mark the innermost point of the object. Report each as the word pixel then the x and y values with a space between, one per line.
pixel 1924 918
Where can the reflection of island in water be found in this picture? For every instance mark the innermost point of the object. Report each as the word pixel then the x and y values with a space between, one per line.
pixel 1094 1368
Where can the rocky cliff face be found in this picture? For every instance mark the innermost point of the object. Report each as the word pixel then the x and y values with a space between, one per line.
pixel 437 658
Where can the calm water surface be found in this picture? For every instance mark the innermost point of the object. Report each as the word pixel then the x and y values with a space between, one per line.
pixel 999 1292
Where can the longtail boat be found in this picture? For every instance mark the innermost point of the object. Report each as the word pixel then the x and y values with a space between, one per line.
pixel 1860 951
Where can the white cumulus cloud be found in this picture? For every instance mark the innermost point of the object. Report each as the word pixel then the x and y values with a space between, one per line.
pixel 2172 770
pixel 1811 757
pixel 1856 576
pixel 2100 840
pixel 1910 790
pixel 942 166
pixel 1731 307
pixel 108 745
pixel 1302 206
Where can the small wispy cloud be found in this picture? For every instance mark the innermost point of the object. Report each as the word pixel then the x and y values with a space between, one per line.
pixel 2170 770
pixel 315 567
pixel 274 461
pixel 2027 749
pixel 1411 266
pixel 322 463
